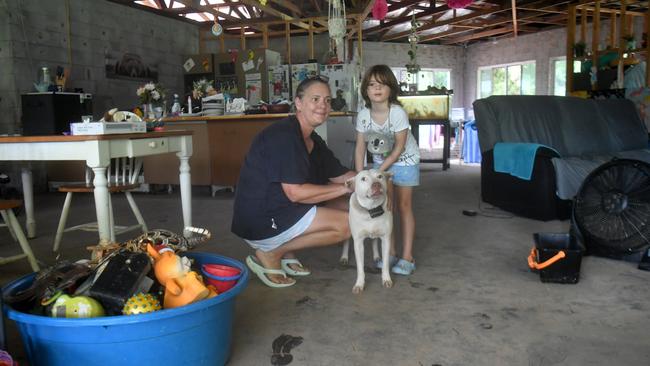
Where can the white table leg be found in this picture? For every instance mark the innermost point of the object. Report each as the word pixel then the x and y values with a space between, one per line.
pixel 186 189
pixel 28 197
pixel 101 204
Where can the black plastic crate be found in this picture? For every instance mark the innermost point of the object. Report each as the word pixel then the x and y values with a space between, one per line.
pixel 561 269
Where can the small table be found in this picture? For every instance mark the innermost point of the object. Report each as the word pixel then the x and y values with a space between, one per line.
pixel 416 123
pixel 97 151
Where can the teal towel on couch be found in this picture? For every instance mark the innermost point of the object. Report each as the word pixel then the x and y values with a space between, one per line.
pixel 516 158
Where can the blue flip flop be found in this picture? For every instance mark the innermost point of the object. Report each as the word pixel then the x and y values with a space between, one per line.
pixel 261 273
pixel 403 267
pixel 392 260
pixel 285 262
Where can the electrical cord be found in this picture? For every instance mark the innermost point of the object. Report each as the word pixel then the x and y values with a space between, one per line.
pixel 491 212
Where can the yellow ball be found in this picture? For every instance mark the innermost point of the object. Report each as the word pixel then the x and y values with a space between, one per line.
pixel 141 303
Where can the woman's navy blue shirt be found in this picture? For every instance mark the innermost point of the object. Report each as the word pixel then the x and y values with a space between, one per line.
pixel 278 155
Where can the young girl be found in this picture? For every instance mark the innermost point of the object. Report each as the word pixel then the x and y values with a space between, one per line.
pixel 383 114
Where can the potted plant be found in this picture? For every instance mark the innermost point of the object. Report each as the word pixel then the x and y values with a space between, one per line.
pixel 630 42
pixel 579 49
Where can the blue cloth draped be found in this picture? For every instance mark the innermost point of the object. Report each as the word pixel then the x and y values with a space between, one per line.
pixel 516 158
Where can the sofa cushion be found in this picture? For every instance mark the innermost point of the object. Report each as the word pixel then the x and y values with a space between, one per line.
pixel 570 172
pixel 572 126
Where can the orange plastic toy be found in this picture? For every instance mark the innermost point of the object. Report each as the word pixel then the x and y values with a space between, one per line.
pixel 182 286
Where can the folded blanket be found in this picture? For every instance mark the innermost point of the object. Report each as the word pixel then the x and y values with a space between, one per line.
pixel 516 158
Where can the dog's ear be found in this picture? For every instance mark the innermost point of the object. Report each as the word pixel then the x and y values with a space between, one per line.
pixel 388 174
pixel 349 183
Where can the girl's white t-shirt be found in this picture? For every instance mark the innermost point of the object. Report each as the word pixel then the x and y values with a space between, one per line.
pixel 399 121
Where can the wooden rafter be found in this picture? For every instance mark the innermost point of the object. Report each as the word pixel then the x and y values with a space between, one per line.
pixel 503 17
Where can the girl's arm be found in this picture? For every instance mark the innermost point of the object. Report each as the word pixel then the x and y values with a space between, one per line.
pixel 360 152
pixel 398 149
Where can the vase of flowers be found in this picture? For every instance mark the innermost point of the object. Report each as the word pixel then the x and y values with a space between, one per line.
pixel 152 96
pixel 202 88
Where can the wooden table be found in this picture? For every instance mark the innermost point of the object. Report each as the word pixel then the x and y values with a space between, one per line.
pixel 97 151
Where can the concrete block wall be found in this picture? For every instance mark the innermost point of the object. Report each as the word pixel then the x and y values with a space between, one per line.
pixel 34 34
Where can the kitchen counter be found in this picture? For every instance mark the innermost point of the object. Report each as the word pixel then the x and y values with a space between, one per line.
pixel 220 145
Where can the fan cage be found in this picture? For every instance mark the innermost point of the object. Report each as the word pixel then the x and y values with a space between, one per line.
pixel 612 208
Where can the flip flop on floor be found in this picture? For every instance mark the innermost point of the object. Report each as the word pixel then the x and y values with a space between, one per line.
pixel 261 272
pixel 285 262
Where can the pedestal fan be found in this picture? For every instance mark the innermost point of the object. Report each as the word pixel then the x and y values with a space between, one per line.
pixel 612 210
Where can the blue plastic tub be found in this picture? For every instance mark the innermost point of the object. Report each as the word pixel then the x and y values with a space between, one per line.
pixel 196 334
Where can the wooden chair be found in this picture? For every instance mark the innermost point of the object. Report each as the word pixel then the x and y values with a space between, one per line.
pixel 123 175
pixel 6 210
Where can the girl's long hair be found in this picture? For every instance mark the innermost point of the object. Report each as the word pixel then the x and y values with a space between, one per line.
pixel 384 75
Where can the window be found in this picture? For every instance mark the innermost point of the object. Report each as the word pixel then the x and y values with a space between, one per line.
pixel 558 75
pixel 424 78
pixel 510 79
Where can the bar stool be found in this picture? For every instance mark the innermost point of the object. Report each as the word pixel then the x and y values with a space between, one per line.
pixel 6 210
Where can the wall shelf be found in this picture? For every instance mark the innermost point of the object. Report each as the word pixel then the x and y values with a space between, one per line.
pixel 621 20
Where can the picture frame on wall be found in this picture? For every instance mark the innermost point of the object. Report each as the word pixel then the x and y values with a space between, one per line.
pixel 129 66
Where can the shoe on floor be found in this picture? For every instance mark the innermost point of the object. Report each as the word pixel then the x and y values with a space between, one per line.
pixel 301 271
pixel 392 260
pixel 403 267
pixel 261 273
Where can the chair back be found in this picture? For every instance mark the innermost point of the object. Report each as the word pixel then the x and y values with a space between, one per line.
pixel 120 172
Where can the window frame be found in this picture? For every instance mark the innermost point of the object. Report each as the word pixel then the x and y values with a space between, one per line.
pixel 398 69
pixel 504 66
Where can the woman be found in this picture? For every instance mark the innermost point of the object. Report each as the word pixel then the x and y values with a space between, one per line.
pixel 291 192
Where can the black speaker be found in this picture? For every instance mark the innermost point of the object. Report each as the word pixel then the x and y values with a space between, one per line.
pixel 51 113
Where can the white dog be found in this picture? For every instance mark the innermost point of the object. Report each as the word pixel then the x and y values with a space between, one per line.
pixel 370 217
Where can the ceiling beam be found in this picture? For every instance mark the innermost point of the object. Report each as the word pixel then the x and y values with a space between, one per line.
pixel 362 16
pixel 439 24
pixel 406 19
pixel 289 5
pixel 269 10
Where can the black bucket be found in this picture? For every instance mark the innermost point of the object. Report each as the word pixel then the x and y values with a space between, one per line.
pixel 557 256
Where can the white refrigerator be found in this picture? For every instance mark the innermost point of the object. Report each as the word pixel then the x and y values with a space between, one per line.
pixel 344 80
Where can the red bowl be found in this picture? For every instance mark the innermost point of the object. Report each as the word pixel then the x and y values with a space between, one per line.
pixel 222 277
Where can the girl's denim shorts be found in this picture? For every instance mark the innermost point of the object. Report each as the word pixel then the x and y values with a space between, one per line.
pixel 404 175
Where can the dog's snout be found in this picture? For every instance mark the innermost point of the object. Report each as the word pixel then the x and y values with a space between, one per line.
pixel 376 186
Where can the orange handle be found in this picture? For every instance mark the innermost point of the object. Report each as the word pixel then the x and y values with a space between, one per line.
pixel 532 263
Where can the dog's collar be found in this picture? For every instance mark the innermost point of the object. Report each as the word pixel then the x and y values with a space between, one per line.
pixel 376 212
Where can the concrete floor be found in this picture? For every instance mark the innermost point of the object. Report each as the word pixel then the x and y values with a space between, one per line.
pixel 472 300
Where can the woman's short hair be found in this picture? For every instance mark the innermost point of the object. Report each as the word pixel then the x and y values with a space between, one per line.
pixel 384 75
pixel 300 90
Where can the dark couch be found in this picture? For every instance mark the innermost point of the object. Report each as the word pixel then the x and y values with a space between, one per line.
pixel 583 134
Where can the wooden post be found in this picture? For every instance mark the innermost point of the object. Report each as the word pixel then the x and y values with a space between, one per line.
pixel 287 34
pixel 311 38
pixel 647 46
pixel 595 39
pixel 201 41
pixel 242 38
pixel 621 45
pixel 265 36
pixel 570 40
pixel 583 26
pixel 612 31
pixel 222 42
pixel 360 38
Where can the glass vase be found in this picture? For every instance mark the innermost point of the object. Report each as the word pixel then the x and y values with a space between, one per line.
pixel 148 111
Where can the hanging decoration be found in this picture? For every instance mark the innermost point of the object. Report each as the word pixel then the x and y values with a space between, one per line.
pixel 458 4
pixel 216 29
pixel 379 9
pixel 412 67
pixel 263 2
pixel 336 23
